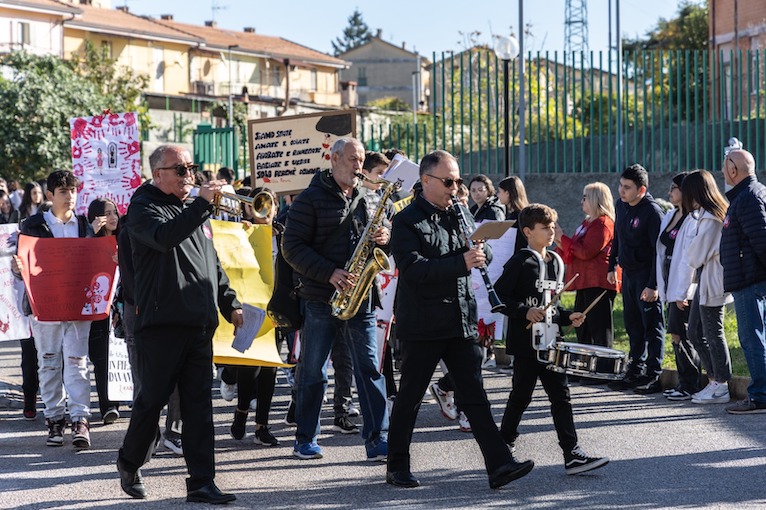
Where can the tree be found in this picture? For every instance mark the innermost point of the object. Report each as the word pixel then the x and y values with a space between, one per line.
pixel 38 96
pixel 355 34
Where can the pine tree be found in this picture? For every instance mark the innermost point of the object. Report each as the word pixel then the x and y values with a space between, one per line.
pixel 355 34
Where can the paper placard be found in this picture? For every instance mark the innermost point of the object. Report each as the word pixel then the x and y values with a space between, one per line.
pixel 286 152
pixel 120 385
pixel 491 230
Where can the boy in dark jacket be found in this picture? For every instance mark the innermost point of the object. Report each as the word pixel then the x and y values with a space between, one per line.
pixel 519 287
pixel 62 347
pixel 636 228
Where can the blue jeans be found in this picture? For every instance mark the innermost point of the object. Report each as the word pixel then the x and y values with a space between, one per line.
pixel 750 304
pixel 317 336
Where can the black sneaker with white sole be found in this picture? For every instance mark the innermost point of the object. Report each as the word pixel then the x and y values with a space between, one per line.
pixel 344 425
pixel 577 462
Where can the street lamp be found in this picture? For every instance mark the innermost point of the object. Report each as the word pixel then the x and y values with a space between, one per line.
pixel 506 49
pixel 230 119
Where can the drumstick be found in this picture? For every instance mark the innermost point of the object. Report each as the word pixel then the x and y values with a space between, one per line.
pixel 590 306
pixel 557 296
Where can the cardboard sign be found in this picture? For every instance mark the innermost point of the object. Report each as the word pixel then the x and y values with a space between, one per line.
pixel 69 279
pixel 286 152
pixel 14 325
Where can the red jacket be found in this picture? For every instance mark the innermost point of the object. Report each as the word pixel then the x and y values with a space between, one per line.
pixel 587 253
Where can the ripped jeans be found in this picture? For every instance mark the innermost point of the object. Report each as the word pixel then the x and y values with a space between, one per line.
pixel 62 358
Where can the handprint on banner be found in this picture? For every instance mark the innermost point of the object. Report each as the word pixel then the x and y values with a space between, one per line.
pixel 5 325
pixel 78 128
pixel 114 126
pixel 78 171
pixel 77 151
pixel 131 182
pixel 131 125
pixel 386 277
pixel 129 149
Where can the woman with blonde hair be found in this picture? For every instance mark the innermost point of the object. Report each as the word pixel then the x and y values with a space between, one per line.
pixel 587 253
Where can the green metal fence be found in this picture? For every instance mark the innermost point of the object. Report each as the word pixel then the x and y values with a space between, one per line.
pixel 216 147
pixel 678 109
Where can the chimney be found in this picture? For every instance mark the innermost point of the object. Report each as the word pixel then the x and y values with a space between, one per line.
pixel 166 17
pixel 211 24
pixel 404 45
pixel 123 8
pixel 249 30
pixel 379 33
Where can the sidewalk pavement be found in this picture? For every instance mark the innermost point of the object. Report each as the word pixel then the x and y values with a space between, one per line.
pixel 663 455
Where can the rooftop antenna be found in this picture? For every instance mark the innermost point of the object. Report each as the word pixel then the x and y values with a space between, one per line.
pixel 216 7
pixel 576 31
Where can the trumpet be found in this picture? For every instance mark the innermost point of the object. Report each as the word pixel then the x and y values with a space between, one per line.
pixel 230 203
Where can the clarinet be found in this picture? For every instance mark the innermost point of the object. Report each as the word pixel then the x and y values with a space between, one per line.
pixel 494 300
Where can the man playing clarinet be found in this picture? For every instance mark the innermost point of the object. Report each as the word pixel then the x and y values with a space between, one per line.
pixel 436 319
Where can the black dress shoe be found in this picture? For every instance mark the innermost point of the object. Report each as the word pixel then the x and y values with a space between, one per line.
pixel 209 494
pixel 401 479
pixel 131 483
pixel 509 472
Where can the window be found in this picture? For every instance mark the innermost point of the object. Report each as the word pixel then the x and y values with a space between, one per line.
pixel 314 80
pixel 106 49
pixel 25 38
pixel 362 77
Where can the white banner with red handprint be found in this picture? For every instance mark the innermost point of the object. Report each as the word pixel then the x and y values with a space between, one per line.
pixel 14 325
pixel 106 158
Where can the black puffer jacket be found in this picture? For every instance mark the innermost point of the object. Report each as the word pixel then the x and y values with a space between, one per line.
pixel 435 300
pixel 178 278
pixel 492 209
pixel 312 219
pixel 743 240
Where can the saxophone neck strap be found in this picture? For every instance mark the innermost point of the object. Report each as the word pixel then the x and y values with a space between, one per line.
pixel 343 227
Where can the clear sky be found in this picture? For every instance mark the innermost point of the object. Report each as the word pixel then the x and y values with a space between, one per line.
pixel 425 25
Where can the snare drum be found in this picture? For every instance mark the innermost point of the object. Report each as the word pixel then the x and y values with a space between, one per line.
pixel 586 361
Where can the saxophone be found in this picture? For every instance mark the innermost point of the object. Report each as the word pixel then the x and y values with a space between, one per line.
pixel 366 262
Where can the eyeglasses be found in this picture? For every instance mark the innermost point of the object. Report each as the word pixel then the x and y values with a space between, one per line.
pixel 448 181
pixel 181 168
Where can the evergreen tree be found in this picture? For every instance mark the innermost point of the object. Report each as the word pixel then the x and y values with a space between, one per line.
pixel 354 35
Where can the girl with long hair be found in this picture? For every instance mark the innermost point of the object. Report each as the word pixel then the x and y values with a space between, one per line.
pixel 701 195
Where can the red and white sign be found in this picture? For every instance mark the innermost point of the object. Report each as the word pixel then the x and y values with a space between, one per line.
pixel 106 158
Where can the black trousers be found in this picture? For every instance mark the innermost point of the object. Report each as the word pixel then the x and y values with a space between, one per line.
pixel 645 325
pixel 258 383
pixel 463 359
pixel 98 352
pixel 170 356
pixel 526 371
pixel 29 381
pixel 598 328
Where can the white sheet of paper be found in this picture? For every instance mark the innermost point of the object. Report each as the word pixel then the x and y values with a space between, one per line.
pixel 404 170
pixel 253 318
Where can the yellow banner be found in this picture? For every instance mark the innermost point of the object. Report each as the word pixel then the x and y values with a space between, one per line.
pixel 246 256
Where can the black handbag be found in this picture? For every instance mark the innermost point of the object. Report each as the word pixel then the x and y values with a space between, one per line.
pixel 284 308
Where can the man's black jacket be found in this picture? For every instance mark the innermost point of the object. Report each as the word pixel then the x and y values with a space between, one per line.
pixel 178 278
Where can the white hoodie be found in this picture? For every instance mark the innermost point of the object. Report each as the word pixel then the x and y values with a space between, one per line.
pixel 703 252
pixel 679 285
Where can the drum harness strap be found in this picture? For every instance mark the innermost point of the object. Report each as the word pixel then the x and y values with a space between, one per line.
pixel 545 334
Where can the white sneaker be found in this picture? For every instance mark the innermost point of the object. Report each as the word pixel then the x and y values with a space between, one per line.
pixel 703 392
pixel 718 394
pixel 490 363
pixel 353 411
pixel 228 391
pixel 445 400
pixel 465 425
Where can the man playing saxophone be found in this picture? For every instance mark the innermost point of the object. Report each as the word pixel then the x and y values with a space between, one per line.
pixel 325 224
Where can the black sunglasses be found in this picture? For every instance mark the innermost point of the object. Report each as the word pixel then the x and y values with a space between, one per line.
pixel 181 168
pixel 448 181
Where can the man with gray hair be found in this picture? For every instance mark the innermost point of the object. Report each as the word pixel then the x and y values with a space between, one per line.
pixel 324 225
pixel 743 256
pixel 179 289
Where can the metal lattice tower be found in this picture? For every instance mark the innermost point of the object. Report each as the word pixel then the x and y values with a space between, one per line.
pixel 576 31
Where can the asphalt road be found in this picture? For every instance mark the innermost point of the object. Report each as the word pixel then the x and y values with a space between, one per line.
pixel 663 455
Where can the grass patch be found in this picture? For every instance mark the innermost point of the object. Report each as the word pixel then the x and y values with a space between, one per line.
pixel 738 363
